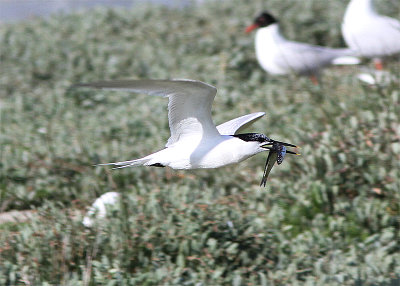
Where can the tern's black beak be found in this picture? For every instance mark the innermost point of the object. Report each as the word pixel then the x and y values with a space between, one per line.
pixel 287 151
pixel 273 142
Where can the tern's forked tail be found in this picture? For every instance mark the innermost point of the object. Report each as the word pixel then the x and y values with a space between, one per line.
pixel 124 164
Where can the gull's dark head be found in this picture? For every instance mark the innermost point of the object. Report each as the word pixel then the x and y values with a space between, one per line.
pixel 263 20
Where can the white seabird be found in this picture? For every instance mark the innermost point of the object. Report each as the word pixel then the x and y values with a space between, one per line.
pixel 279 56
pixel 195 141
pixel 369 34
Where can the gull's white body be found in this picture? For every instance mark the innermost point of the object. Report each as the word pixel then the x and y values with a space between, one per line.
pixel 369 33
pixel 195 141
pixel 279 56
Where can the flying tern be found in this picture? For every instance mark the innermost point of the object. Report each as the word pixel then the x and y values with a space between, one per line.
pixel 370 34
pixel 195 141
pixel 279 56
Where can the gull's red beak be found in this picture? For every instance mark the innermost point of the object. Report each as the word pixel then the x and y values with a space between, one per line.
pixel 251 28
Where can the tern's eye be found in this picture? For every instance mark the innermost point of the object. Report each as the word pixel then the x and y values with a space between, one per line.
pixel 281 154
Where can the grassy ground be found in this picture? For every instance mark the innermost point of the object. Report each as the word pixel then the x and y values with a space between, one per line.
pixel 329 217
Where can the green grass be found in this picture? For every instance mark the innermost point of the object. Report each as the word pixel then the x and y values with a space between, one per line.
pixel 328 217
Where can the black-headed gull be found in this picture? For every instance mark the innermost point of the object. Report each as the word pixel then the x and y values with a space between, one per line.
pixel 279 56
pixel 369 34
pixel 195 141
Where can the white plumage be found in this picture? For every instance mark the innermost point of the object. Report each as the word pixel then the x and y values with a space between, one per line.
pixel 99 208
pixel 370 34
pixel 279 56
pixel 195 141
pixel 236 125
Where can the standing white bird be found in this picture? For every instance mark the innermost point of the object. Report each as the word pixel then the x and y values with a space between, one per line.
pixel 195 141
pixel 279 56
pixel 369 34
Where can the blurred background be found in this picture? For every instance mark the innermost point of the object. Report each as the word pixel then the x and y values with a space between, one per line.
pixel 328 217
pixel 22 10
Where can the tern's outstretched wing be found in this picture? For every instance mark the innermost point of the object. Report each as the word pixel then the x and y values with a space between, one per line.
pixel 189 107
pixel 236 125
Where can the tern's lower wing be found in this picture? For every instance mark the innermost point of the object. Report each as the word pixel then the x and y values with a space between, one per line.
pixel 189 107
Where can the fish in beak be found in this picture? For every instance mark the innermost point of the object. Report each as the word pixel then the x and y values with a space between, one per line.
pixel 277 153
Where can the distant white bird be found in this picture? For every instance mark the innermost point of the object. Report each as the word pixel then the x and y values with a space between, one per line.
pixel 279 56
pixel 99 208
pixel 195 141
pixel 370 34
pixel 374 77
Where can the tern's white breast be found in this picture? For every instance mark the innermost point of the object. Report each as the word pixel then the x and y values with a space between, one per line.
pixel 211 153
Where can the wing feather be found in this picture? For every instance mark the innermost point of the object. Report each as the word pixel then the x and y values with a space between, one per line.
pixel 236 125
pixel 308 59
pixel 189 107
